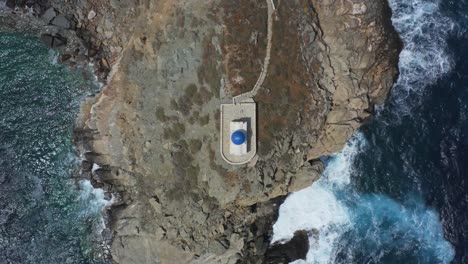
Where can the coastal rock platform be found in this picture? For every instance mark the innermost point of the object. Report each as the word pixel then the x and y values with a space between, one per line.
pixel 154 128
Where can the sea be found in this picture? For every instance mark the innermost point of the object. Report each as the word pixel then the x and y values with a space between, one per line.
pixel 398 191
pixel 47 214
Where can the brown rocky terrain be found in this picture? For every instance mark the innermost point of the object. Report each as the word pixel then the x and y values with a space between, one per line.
pixel 154 128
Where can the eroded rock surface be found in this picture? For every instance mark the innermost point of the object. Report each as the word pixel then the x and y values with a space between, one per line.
pixel 154 129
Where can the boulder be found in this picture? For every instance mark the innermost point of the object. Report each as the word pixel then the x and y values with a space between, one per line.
pixel 53 41
pixel 91 14
pixel 30 3
pixel 86 165
pixel 49 15
pixel 92 52
pixel 48 40
pixel 61 21
pixel 59 41
pixel 24 3
pixel 10 3
pixel 305 176
pixel 104 64
pixel 65 57
pixel 38 6
pixel 294 249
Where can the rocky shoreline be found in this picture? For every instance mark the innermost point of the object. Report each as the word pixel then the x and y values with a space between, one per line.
pixel 152 133
pixel 57 32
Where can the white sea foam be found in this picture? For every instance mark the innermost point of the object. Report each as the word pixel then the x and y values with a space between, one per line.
pixel 313 208
pixel 337 216
pixel 425 57
pixel 94 196
pixel 94 199
pixel 424 31
pixel 331 207
pixel 91 70
pixel 53 56
pixel 95 167
pixel 317 208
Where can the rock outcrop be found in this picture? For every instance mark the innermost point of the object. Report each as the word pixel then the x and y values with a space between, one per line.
pixel 154 128
pixel 156 124
pixel 294 249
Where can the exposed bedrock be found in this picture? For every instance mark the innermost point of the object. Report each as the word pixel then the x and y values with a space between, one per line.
pixel 294 249
pixel 154 128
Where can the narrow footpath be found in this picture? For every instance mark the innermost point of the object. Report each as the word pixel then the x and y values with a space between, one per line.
pixel 266 62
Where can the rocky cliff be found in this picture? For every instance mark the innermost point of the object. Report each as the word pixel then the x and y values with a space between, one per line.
pixel 153 131
pixel 155 126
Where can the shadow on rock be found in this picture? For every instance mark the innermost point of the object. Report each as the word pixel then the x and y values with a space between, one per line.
pixel 294 249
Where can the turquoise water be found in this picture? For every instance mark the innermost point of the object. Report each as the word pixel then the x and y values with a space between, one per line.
pixel 45 216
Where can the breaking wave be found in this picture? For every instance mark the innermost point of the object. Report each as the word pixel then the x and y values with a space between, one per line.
pixel 320 208
pixel 44 217
pixel 425 57
pixel 347 225
pixel 95 198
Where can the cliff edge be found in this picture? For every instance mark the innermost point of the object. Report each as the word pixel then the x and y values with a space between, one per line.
pixel 153 131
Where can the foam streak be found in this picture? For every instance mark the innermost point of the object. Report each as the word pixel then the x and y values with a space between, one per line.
pixel 344 224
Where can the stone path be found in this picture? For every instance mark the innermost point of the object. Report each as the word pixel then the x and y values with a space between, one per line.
pixel 243 107
pixel 266 62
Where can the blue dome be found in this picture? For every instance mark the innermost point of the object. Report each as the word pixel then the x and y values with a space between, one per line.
pixel 238 137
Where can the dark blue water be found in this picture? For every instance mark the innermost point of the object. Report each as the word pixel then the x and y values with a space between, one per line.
pixel 420 151
pixel 398 192
pixel 45 216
